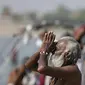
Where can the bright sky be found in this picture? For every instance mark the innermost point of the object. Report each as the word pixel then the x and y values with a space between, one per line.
pixel 40 5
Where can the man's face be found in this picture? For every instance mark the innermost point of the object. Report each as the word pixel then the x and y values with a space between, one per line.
pixel 57 60
pixel 67 52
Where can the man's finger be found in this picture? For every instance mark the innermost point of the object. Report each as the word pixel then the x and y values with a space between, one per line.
pixel 45 37
pixel 50 36
pixel 53 38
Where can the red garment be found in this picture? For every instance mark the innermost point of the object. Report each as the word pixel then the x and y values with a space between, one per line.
pixel 42 79
pixel 78 32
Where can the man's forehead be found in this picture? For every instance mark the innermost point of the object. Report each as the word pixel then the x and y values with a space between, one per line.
pixel 62 42
pixel 68 42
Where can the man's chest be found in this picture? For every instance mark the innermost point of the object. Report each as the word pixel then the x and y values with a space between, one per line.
pixel 55 81
pixel 58 82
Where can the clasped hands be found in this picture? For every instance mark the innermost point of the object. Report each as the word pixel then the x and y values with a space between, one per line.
pixel 48 45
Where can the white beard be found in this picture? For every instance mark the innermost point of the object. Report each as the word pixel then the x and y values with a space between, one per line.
pixel 55 60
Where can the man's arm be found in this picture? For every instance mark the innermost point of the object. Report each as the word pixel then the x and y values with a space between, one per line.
pixel 17 75
pixel 66 72
pixel 33 62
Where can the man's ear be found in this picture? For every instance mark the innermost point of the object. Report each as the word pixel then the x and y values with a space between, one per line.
pixel 65 60
pixel 66 54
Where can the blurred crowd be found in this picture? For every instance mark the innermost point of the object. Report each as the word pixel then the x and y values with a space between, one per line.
pixel 26 37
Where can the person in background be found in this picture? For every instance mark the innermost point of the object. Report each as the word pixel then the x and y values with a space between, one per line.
pixel 14 56
pixel 29 78
pixel 79 35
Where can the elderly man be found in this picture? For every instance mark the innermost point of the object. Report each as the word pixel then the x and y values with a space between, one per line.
pixel 55 59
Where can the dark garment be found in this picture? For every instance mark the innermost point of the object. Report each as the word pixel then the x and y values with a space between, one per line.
pixel 55 81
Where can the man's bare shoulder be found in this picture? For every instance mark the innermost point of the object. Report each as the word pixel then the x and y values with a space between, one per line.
pixel 73 74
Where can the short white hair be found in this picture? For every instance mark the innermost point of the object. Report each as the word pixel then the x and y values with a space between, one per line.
pixel 73 48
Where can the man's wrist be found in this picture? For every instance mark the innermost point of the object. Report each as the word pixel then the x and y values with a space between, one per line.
pixel 45 50
pixel 43 53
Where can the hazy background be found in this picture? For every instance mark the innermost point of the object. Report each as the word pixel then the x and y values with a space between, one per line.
pixel 60 16
pixel 40 5
pixel 16 13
